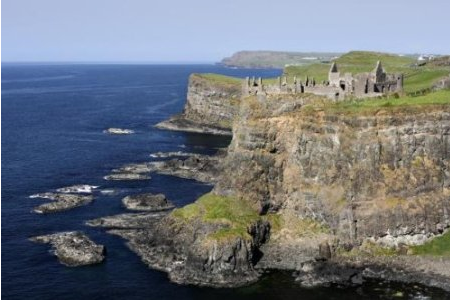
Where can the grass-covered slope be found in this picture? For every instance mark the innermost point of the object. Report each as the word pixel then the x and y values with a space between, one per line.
pixel 439 246
pixel 232 214
pixel 438 99
pixel 220 79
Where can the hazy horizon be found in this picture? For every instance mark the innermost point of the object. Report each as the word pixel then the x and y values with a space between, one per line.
pixel 200 31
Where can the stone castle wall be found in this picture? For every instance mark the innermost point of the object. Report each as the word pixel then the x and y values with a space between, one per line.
pixel 361 85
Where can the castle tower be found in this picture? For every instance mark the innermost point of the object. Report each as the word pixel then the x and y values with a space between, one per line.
pixel 246 86
pixel 380 74
pixel 399 86
pixel 334 75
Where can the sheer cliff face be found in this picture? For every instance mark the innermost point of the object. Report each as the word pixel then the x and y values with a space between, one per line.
pixel 212 100
pixel 368 174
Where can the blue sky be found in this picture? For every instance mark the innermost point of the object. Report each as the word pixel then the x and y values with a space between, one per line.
pixel 206 31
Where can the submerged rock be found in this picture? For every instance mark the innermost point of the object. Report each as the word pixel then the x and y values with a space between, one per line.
pixel 148 202
pixel 61 201
pixel 171 154
pixel 128 220
pixel 179 123
pixel 73 248
pixel 118 131
pixel 127 176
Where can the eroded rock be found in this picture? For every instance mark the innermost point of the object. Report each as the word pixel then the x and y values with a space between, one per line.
pixel 147 202
pixel 202 168
pixel 61 201
pixel 73 248
pixel 128 220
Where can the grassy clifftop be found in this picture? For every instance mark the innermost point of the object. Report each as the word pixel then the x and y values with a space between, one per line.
pixel 436 99
pixel 219 79
pixel 231 214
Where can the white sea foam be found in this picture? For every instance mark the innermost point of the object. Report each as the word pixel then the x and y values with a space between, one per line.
pixel 78 189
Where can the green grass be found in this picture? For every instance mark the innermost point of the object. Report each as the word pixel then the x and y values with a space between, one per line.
pixel 220 79
pixel 369 105
pixel 354 62
pixel 439 246
pixel 235 214
pixel 422 79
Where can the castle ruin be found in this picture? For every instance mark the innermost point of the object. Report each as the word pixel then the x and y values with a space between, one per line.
pixel 338 86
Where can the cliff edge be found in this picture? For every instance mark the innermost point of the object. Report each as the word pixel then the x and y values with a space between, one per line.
pixel 212 102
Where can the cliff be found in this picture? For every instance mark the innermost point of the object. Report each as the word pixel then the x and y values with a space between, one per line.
pixel 367 172
pixel 355 188
pixel 212 102
pixel 357 184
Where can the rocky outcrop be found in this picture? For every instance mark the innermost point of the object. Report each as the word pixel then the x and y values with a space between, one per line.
pixel 212 102
pixel 61 201
pixel 128 220
pixel 195 246
pixel 73 248
pixel 147 202
pixel 202 168
pixel 190 258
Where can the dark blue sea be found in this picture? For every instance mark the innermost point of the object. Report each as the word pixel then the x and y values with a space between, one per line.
pixel 52 122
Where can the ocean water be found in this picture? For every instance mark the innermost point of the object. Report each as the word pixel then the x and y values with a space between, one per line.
pixel 52 121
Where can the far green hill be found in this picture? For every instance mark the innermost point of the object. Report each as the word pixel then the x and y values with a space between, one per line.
pixel 275 59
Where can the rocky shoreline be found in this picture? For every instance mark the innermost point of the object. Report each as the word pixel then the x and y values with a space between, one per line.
pixel 187 259
pixel 427 271
pixel 179 249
